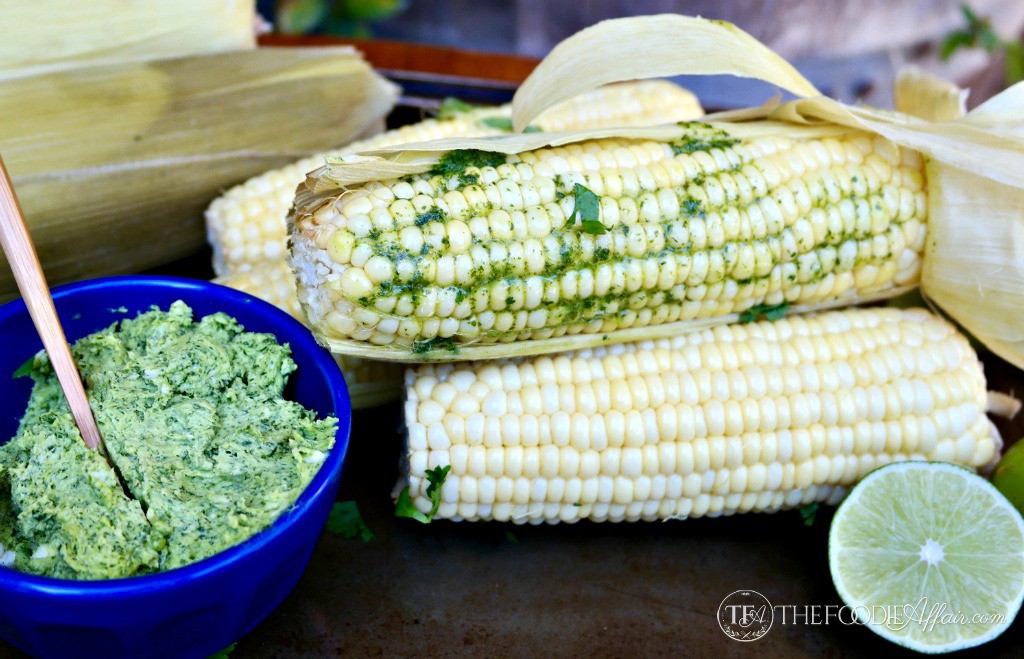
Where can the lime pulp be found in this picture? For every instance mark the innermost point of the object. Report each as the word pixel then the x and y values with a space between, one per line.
pixel 929 556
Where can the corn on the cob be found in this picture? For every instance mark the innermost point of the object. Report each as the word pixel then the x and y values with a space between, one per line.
pixel 258 207
pixel 488 248
pixel 272 281
pixel 246 225
pixel 369 382
pixel 739 418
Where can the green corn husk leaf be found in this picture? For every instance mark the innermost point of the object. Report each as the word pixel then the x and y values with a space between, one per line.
pixel 974 258
pixel 115 164
pixel 53 35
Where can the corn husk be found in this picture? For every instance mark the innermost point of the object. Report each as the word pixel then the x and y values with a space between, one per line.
pixel 974 260
pixel 115 164
pixel 926 96
pixel 370 383
pixel 41 36
pixel 473 350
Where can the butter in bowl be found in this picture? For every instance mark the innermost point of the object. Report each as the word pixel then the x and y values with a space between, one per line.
pixel 226 426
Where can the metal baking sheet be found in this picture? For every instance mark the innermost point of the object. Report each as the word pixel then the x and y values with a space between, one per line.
pixel 601 590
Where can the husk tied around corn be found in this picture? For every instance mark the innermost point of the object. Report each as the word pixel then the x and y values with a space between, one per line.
pixel 936 200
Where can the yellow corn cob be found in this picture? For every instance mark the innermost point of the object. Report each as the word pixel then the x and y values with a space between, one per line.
pixel 369 382
pixel 246 225
pixel 738 418
pixel 272 281
pixel 488 248
pixel 257 207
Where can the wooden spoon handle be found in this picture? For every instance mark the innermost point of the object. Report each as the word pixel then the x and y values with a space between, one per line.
pixel 28 272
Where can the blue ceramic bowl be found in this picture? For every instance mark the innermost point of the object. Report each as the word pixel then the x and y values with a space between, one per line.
pixel 196 610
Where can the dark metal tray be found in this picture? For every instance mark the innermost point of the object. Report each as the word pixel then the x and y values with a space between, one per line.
pixel 603 590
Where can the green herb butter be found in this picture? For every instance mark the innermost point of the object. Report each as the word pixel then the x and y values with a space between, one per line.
pixel 193 418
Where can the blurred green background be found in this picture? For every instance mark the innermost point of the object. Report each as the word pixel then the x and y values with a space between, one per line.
pixel 348 18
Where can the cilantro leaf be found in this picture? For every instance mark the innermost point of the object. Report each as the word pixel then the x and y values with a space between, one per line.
pixel 457 161
pixel 954 42
pixel 505 124
pixel 345 520
pixel 25 369
pixel 404 508
pixel 587 207
pixel 435 479
pixel 223 654
pixel 809 512
pixel 452 107
pixel 765 311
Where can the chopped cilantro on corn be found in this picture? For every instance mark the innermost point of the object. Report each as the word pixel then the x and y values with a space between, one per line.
pixel 487 248
pixel 246 225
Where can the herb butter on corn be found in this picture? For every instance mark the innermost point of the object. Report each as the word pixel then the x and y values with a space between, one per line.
pixel 478 248
pixel 485 247
pixel 246 225
pixel 192 415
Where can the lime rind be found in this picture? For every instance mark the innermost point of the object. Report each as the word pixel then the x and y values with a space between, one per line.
pixel 880 554
pixel 1008 476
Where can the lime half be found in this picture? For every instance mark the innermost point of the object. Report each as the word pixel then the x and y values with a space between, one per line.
pixel 929 556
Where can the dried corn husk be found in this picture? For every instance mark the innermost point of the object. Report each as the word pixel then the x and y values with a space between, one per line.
pixel 974 260
pixel 115 164
pixel 928 97
pixel 51 35
pixel 370 383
